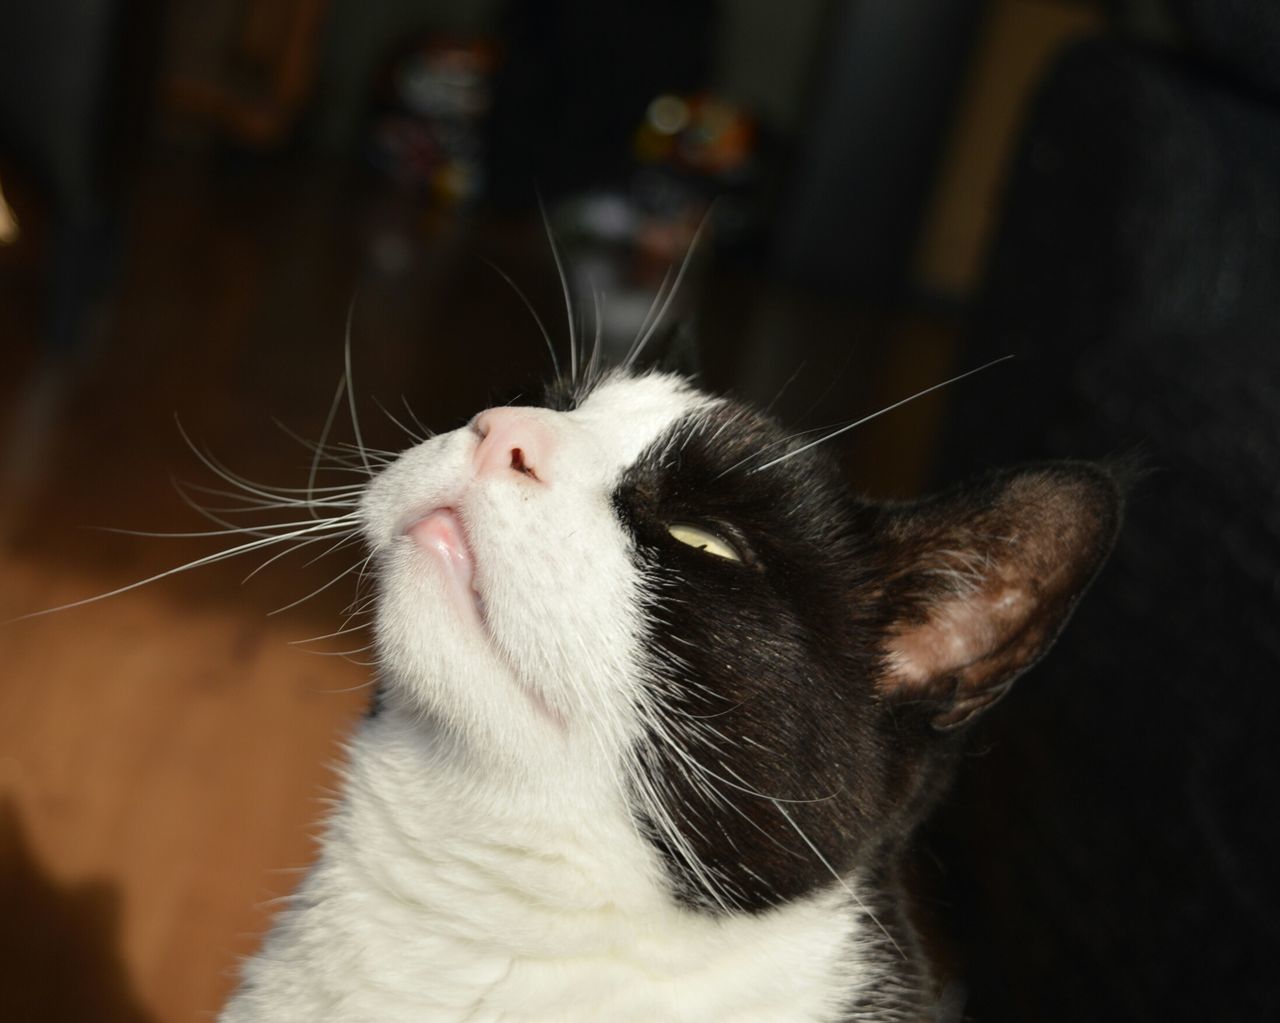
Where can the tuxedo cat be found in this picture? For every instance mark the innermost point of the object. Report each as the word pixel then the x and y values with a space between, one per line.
pixel 659 706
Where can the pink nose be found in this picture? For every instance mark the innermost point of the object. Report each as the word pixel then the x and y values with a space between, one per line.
pixel 512 440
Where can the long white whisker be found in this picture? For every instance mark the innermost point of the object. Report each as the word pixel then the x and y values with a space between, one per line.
pixel 876 415
pixel 407 432
pixel 380 454
pixel 324 435
pixel 653 305
pixel 345 689
pixel 555 363
pixel 210 559
pixel 597 302
pixel 783 389
pixel 320 589
pixel 297 547
pixel 827 863
pixel 638 347
pixel 564 285
pixel 255 507
pixel 220 470
pixel 233 530
pixel 351 394
pixel 345 631
pixel 318 450
pixel 353 537
pixel 280 493
pixel 427 432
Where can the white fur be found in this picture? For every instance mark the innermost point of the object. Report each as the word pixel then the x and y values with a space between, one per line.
pixel 484 863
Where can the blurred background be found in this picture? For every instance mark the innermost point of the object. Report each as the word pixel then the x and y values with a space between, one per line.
pixel 885 193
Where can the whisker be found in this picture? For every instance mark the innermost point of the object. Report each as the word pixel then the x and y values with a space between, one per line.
pixel 345 689
pixel 564 285
pixel 555 363
pixel 208 513
pixel 281 493
pixel 351 394
pixel 295 548
pixel 638 347
pixel 597 302
pixel 653 305
pixel 255 507
pixel 220 470
pixel 320 589
pixel 876 415
pixel 315 448
pixel 345 631
pixel 233 530
pixel 381 455
pixel 209 559
pixel 852 894
pixel 352 537
pixel 407 432
pixel 783 389
pixel 426 431
pixel 343 653
pixel 324 434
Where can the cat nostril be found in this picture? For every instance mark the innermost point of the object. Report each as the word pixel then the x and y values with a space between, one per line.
pixel 519 465
pixel 511 441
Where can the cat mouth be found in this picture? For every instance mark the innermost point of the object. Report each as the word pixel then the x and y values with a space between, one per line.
pixel 440 535
pixel 442 538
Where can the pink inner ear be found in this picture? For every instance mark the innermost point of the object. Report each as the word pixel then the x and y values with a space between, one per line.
pixel 958 638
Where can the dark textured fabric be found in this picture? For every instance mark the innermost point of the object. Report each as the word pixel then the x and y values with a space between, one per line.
pixel 1114 850
pixel 1240 37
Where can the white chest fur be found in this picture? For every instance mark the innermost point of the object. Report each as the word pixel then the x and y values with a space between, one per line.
pixel 438 898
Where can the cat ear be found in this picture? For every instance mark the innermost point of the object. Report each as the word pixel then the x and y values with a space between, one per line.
pixel 981 581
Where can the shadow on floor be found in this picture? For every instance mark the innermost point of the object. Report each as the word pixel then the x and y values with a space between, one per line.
pixel 59 944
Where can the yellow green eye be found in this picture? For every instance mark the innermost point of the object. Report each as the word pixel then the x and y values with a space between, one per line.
pixel 703 540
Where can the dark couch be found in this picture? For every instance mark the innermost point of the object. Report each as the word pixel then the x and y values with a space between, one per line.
pixel 1115 844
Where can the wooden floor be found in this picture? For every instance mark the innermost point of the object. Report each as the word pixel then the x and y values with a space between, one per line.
pixel 164 753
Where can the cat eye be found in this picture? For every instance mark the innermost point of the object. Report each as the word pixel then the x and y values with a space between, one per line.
pixel 704 540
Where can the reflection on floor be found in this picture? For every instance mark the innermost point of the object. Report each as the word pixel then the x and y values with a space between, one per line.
pixel 163 753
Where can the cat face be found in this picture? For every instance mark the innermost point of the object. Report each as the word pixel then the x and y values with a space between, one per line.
pixel 512 603
pixel 664 597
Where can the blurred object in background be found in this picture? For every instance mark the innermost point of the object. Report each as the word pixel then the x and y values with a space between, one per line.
pixel 631 251
pixel 1113 857
pixel 576 79
pixel 76 84
pixel 428 133
pixel 856 199
pixel 259 67
pixel 9 229
pixel 1015 42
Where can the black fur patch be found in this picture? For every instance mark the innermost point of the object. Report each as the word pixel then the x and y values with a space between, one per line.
pixel 791 745
pixel 780 763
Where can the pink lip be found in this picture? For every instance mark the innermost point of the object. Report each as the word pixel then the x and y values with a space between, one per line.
pixel 441 536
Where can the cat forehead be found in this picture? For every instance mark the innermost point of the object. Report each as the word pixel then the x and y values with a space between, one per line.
pixel 627 414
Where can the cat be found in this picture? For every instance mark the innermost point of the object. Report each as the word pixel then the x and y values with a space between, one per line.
pixel 659 706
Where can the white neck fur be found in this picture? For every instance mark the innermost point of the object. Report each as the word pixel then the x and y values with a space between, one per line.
pixel 442 894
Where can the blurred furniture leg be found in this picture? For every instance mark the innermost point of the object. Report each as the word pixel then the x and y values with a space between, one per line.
pixel 74 85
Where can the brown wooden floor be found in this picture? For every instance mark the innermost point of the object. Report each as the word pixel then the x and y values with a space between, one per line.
pixel 163 753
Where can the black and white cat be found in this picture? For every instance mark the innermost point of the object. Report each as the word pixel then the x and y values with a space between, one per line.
pixel 660 703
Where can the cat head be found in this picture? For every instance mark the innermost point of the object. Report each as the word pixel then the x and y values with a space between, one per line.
pixel 663 596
